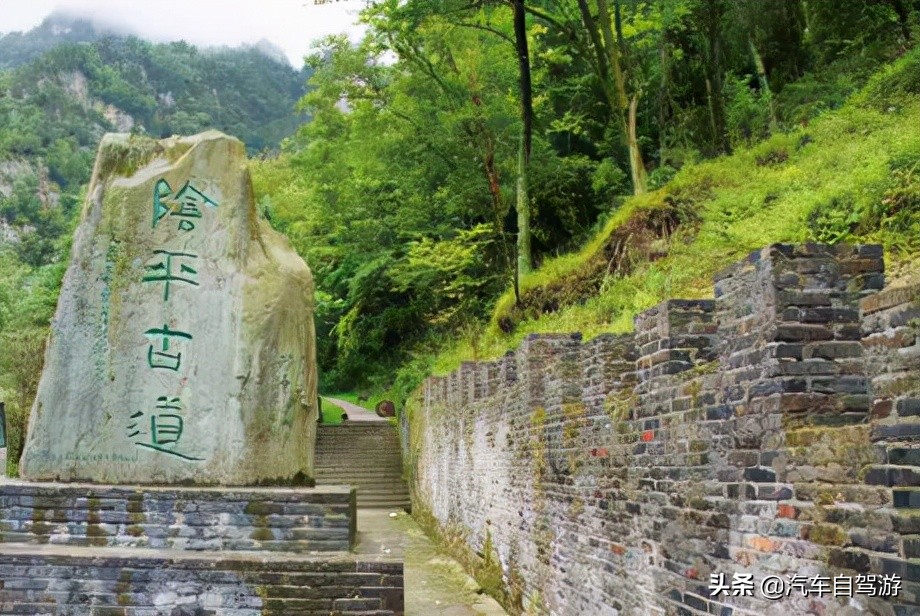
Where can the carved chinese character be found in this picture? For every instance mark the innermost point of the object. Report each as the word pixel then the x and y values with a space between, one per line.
pixel 163 358
pixel 163 271
pixel 165 428
pixel 186 204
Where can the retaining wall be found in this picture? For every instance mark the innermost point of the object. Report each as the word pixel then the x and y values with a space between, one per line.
pixel 772 431
pixel 272 519
pixel 69 581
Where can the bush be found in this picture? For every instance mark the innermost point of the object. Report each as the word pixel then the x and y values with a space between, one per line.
pixel 21 365
pixel 747 112
pixel 895 86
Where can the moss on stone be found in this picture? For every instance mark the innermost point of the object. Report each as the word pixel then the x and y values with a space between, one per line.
pixel 123 587
pixel 537 445
pixel 125 154
pixel 574 417
pixel 619 405
pixel 827 534
pixel 262 533
pixel 262 508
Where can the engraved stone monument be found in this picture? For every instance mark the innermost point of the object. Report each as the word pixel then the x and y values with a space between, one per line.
pixel 183 347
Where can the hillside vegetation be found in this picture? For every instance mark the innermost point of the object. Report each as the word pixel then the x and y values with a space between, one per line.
pixel 852 175
pixel 474 172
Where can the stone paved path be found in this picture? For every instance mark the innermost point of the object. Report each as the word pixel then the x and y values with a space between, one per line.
pixel 355 412
pixel 435 583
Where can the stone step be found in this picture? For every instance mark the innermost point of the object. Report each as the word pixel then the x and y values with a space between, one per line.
pixel 355 457
pixel 363 495
pixel 364 482
pixel 393 506
pixel 347 480
pixel 380 498
pixel 357 473
pixel 388 505
pixel 367 457
pixel 364 488
pixel 347 463
pixel 374 426
pixel 391 475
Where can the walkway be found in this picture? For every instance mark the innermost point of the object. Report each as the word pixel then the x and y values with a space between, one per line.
pixel 435 583
pixel 355 412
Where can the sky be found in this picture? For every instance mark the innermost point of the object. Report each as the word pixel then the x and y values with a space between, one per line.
pixel 291 25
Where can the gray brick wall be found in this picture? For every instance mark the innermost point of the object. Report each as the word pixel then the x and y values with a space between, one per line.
pixel 269 519
pixel 131 582
pixel 772 430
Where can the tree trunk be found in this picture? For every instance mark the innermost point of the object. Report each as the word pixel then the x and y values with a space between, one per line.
pixel 714 80
pixel 522 204
pixel 636 166
pixel 664 97
pixel 627 106
pixel 600 57
pixel 524 265
pixel 764 85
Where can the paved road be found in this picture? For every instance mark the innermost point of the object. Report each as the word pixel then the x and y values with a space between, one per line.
pixel 436 584
pixel 355 412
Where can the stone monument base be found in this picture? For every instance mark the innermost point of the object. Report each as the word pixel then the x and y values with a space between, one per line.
pixel 79 581
pixel 232 551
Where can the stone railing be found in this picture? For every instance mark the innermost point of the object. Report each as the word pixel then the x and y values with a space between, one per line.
pixel 772 431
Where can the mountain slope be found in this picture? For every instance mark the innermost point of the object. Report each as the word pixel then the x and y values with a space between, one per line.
pixel 70 84
pixel 851 175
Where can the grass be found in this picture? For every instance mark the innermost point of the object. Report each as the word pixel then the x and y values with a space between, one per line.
pixel 850 175
pixel 349 396
pixel 332 414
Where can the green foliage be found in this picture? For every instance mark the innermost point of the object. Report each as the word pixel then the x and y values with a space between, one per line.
pixel 27 300
pixel 893 216
pixel 898 84
pixel 399 190
pixel 852 175
pixel 747 112
pixel 164 88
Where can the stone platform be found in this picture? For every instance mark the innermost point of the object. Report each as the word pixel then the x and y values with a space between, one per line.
pixel 81 581
pixel 271 519
pixel 77 549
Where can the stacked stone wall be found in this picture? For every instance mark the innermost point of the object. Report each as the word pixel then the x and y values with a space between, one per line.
pixel 247 519
pixel 771 431
pixel 130 582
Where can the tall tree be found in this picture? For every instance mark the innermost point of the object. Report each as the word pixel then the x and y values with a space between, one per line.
pixel 613 70
pixel 524 264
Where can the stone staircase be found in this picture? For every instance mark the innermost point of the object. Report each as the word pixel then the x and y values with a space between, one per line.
pixel 364 455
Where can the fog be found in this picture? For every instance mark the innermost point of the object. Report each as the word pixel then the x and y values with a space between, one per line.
pixel 291 25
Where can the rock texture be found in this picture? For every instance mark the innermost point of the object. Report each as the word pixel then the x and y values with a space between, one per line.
pixel 183 347
pixel 771 433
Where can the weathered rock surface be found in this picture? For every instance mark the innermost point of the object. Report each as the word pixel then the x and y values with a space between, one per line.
pixel 183 347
